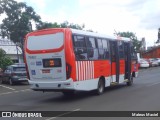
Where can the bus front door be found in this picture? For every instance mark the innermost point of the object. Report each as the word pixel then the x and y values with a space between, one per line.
pixel 115 67
pixel 127 52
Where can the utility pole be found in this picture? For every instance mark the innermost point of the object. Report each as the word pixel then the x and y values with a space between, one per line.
pixel 17 53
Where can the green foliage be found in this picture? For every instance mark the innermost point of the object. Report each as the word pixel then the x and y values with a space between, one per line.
pixel 45 25
pixel 136 43
pixel 18 21
pixel 4 60
pixel 2 53
pixel 65 24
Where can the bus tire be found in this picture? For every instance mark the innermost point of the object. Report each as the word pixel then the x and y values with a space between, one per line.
pixel 130 82
pixel 68 93
pixel 100 87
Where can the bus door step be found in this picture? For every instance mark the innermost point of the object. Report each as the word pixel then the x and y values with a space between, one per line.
pixel 126 80
pixel 114 83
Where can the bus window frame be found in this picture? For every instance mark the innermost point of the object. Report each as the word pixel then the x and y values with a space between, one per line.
pixel 87 38
pixel 73 43
pixel 96 44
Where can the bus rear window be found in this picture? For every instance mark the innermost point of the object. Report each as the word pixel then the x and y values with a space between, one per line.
pixel 55 62
pixel 45 42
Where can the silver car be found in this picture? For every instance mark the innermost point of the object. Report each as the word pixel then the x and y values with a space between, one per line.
pixel 154 62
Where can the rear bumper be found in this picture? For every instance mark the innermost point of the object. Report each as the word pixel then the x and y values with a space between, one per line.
pixel 144 65
pixel 52 86
pixel 153 65
pixel 19 79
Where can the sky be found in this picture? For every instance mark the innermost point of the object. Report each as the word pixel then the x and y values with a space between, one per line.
pixel 104 16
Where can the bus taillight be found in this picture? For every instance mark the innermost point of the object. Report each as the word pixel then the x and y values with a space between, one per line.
pixel 68 70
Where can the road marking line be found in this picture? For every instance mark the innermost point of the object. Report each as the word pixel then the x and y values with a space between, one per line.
pixel 153 84
pixel 14 92
pixel 62 114
pixel 25 90
pixel 7 87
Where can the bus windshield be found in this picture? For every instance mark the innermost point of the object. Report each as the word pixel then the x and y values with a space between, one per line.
pixel 44 42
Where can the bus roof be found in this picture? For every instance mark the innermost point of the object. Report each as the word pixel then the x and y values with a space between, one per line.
pixel 82 32
pixel 74 31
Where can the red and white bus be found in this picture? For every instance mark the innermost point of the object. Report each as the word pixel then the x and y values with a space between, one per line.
pixel 68 60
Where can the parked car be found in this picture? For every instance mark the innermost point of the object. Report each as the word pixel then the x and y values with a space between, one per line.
pixel 154 63
pixel 14 74
pixel 143 63
pixel 149 61
pixel 158 59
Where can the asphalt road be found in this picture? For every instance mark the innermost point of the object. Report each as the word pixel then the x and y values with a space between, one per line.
pixel 144 95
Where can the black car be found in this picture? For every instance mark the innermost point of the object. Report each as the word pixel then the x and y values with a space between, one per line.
pixel 14 74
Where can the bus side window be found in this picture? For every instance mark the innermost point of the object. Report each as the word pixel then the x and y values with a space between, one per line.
pixel 121 49
pixel 134 54
pixel 106 48
pixel 113 54
pixel 80 47
pixel 100 49
pixel 91 48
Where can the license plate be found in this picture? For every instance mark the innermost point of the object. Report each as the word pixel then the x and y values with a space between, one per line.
pixel 46 71
pixel 22 79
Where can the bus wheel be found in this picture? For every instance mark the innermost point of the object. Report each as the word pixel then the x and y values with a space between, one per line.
pixel 68 93
pixel 100 88
pixel 130 82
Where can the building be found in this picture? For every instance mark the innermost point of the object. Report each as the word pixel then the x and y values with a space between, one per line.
pixel 153 52
pixel 143 44
pixel 12 50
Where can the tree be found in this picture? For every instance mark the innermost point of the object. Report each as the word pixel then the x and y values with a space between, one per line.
pixel 18 21
pixel 136 43
pixel 4 60
pixel 65 24
pixel 44 25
